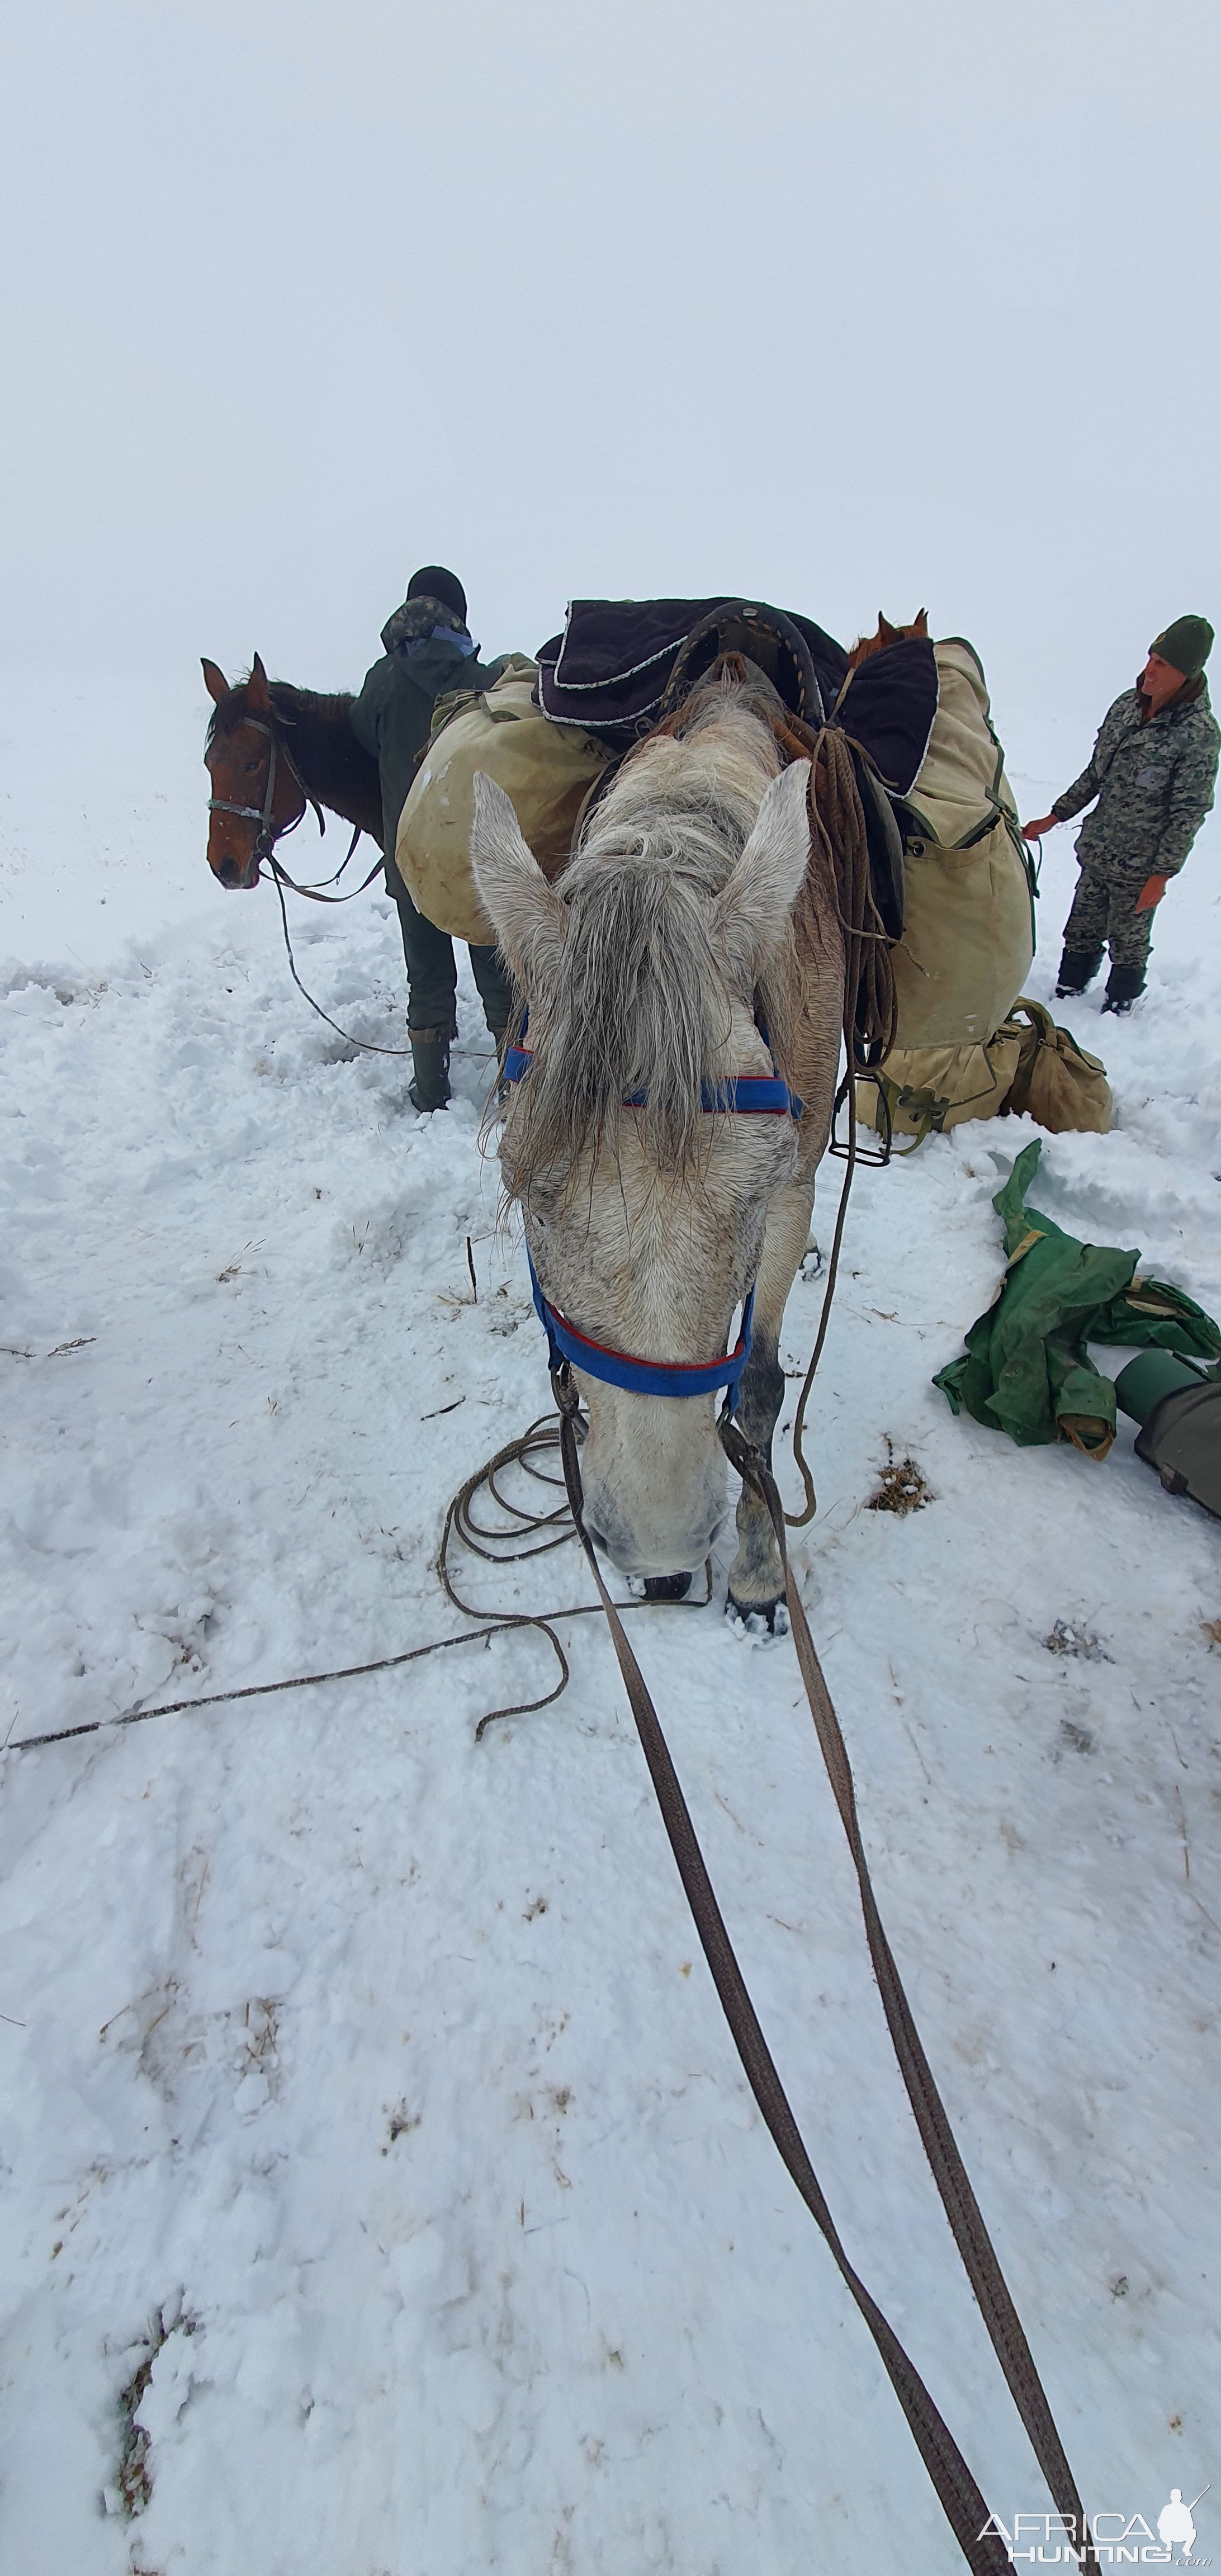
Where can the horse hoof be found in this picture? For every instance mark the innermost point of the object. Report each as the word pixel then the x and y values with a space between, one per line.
pixel 666 1587
pixel 758 1618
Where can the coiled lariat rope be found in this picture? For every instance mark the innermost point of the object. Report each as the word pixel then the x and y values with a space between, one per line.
pixel 495 1545
pixel 537 1533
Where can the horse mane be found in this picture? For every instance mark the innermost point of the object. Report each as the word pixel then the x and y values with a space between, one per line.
pixel 288 703
pixel 642 1005
pixel 867 645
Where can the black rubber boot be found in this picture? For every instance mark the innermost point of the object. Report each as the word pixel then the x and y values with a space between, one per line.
pixel 1125 984
pixel 429 1085
pixel 1078 967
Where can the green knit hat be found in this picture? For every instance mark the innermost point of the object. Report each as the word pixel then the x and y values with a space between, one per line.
pixel 1186 645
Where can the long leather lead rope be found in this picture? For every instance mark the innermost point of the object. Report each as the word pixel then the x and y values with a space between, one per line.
pixel 366 1048
pixel 960 2497
pixel 315 892
pixel 940 2145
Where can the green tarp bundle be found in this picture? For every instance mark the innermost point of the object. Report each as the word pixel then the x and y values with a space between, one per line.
pixel 1027 1370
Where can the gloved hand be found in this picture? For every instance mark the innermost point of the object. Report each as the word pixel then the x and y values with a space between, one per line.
pixel 1151 892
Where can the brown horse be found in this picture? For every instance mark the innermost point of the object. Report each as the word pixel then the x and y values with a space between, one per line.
pixel 866 645
pixel 271 750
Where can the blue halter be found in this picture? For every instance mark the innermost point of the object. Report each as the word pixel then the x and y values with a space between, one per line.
pixel 756 1095
pixel 743 1095
pixel 641 1377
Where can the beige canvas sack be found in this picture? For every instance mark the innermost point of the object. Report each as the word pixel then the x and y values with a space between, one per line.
pixel 545 769
pixel 1056 1082
pixel 968 934
pixel 929 1089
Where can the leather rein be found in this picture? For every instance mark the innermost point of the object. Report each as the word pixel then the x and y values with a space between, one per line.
pixel 960 2496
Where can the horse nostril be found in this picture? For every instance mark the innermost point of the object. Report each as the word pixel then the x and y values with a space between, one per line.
pixel 229 872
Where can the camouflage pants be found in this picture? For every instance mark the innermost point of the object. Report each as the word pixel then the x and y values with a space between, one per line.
pixel 1104 914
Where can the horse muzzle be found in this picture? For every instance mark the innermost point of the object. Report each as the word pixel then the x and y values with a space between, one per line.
pixel 236 875
pixel 661 1559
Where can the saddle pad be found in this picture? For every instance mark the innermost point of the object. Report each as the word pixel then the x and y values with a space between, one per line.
pixel 888 704
pixel 607 672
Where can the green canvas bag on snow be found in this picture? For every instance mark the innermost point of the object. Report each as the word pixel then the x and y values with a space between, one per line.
pixel 1026 1369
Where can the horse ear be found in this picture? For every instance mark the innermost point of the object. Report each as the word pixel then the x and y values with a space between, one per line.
pixel 751 913
pixel 215 682
pixel 921 625
pixel 885 629
pixel 257 692
pixel 528 918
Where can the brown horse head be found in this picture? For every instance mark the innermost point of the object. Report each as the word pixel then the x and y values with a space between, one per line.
pixel 865 645
pixel 245 732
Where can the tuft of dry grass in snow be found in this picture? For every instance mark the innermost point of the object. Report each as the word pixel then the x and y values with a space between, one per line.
pixel 901 1487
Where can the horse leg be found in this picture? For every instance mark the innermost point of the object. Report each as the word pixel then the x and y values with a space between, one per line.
pixel 756 1584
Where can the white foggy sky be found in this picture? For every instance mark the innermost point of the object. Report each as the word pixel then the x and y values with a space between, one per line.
pixel 849 306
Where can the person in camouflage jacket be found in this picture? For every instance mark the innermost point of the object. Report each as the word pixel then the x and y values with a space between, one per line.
pixel 1152 770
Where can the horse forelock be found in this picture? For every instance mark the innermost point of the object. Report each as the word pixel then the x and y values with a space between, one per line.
pixel 641 1003
pixel 231 712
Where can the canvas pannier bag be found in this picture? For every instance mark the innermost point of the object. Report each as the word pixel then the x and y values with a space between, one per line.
pixel 968 936
pixel 546 771
pixel 928 1089
pixel 1056 1082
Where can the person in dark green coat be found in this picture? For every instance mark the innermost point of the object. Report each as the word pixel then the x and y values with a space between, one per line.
pixel 428 652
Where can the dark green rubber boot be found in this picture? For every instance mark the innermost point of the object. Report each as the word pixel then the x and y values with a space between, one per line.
pixel 1078 967
pixel 429 1084
pixel 1125 984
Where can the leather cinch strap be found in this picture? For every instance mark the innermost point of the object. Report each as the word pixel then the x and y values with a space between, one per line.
pixel 960 2497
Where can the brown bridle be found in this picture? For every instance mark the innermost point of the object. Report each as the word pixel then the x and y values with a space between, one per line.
pixel 269 832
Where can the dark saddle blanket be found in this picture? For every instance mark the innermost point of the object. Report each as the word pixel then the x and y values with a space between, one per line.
pixel 608 673
pixel 609 669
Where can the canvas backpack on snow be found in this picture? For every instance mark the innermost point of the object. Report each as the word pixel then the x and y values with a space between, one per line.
pixel 1056 1082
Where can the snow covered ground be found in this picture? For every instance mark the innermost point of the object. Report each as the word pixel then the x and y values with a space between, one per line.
pixel 368 2081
